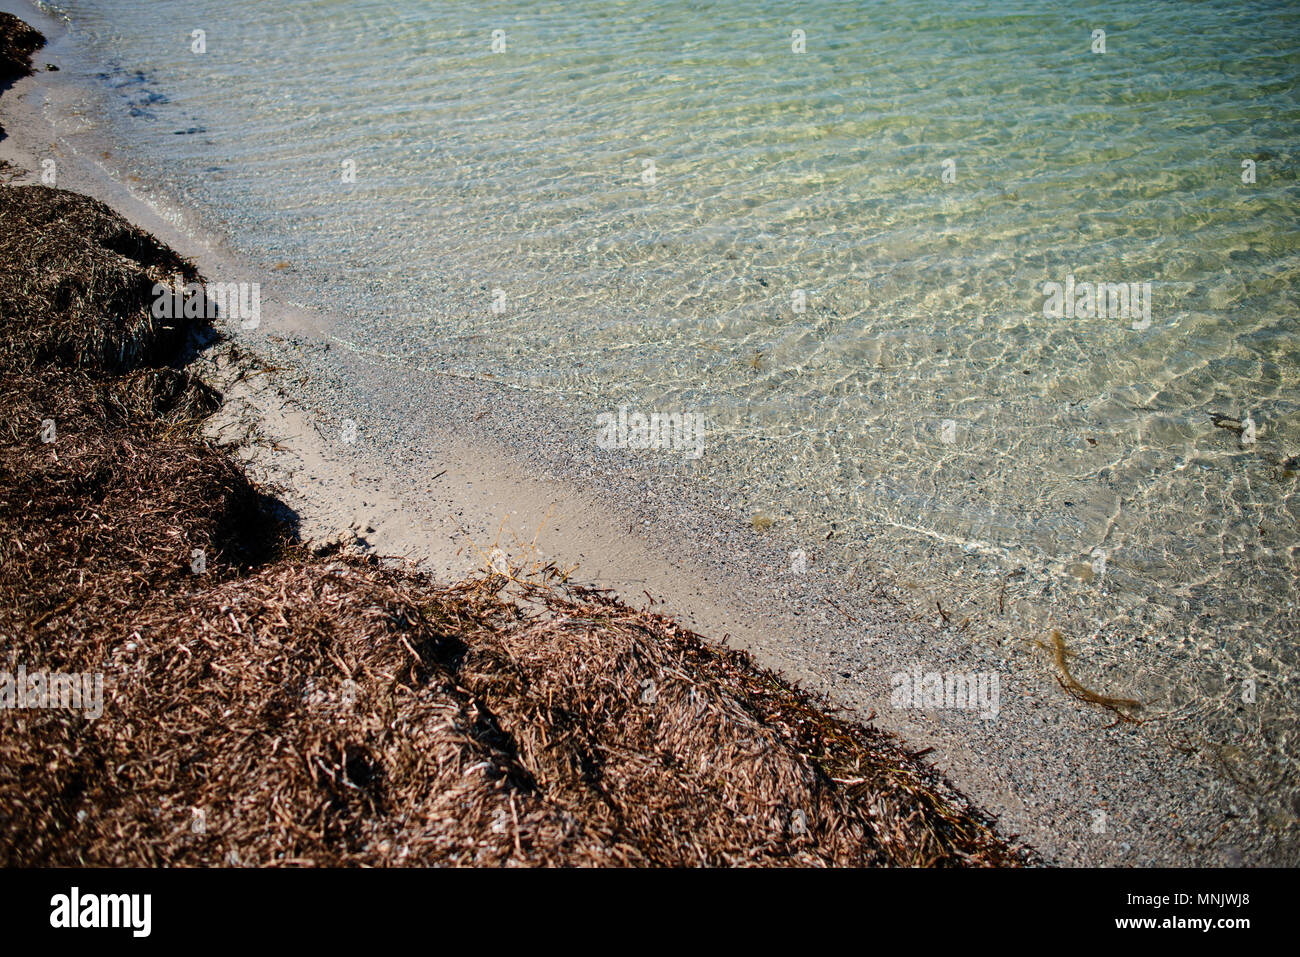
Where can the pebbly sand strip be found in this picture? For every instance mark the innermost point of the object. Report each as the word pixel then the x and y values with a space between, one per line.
pixel 438 471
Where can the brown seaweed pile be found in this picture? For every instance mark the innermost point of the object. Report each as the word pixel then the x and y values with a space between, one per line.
pixel 18 42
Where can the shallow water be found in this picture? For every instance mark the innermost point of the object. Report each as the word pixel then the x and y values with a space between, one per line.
pixel 866 336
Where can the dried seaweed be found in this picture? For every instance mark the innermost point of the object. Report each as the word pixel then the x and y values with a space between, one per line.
pixel 278 708
pixel 18 42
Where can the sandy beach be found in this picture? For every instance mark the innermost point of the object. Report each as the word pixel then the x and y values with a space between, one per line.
pixel 444 475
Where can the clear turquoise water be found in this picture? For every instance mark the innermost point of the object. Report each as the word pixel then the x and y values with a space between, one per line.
pixel 778 171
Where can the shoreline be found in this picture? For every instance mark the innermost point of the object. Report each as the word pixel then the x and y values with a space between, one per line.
pixel 250 702
pixel 1044 768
